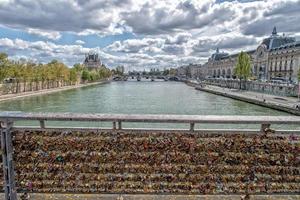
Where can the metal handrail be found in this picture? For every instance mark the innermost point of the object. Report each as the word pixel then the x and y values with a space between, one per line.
pixel 117 119
pixel 241 119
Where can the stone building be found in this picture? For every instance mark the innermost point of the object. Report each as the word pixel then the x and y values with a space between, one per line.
pixel 278 56
pixel 221 64
pixel 190 71
pixel 92 61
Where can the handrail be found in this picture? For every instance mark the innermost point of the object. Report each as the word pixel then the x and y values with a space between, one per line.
pixel 222 119
pixel 117 119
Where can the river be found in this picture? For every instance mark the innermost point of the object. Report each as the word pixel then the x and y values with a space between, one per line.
pixel 134 97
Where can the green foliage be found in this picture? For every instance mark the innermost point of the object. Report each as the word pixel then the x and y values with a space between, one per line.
pixel 166 72
pixel 85 75
pixel 73 75
pixel 243 69
pixel 96 74
pixel 78 67
pixel 52 74
pixel 299 75
pixel 3 57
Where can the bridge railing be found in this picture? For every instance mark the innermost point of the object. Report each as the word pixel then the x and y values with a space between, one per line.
pixel 8 119
pixel 118 119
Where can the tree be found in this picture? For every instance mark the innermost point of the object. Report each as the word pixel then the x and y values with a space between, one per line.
pixel 52 74
pixel 3 56
pixel 78 67
pixel 73 76
pixel 242 69
pixel 85 75
pixel 299 75
pixel 166 72
pixel 4 63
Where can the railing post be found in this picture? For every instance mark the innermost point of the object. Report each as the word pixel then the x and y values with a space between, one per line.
pixel 7 159
pixel 119 125
pixel 42 124
pixel 192 126
pixel 264 127
pixel 114 125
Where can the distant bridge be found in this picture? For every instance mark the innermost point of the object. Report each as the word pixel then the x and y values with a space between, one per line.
pixel 146 77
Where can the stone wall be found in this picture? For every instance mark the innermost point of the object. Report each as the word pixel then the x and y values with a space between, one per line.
pixel 155 162
pixel 268 88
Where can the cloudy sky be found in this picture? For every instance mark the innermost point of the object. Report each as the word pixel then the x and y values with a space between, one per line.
pixel 140 33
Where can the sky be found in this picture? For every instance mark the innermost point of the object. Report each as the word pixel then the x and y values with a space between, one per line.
pixel 140 34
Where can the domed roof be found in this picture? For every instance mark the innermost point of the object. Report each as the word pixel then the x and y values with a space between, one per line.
pixel 219 55
pixel 276 40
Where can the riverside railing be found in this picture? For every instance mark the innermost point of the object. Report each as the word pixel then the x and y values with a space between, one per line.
pixel 8 120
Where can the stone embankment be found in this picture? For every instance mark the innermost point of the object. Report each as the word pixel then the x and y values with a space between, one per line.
pixel 47 91
pixel 275 102
pixel 285 104
pixel 155 162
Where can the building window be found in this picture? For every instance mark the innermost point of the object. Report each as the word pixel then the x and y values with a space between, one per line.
pixel 285 65
pixel 291 65
pixel 280 65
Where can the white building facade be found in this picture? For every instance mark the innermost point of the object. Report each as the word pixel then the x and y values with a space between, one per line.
pixel 278 56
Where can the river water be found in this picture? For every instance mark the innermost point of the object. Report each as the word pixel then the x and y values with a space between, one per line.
pixel 134 97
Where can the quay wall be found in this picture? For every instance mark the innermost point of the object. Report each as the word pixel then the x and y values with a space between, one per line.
pixel 267 88
pixel 249 100
pixel 155 162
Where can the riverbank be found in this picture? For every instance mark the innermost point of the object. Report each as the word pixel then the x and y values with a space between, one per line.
pixel 48 91
pixel 285 104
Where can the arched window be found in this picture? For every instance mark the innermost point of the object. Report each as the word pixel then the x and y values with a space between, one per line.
pixel 228 73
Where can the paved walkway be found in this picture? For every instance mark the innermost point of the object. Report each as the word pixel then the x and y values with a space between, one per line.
pixel 154 197
pixel 45 91
pixel 287 104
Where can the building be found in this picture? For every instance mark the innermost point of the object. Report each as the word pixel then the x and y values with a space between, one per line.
pixel 221 64
pixel 190 71
pixel 278 56
pixel 92 61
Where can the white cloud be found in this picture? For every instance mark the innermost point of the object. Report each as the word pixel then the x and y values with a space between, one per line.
pixel 5 42
pixel 4 2
pixel 79 42
pixel 46 51
pixel 170 32
pixel 53 35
